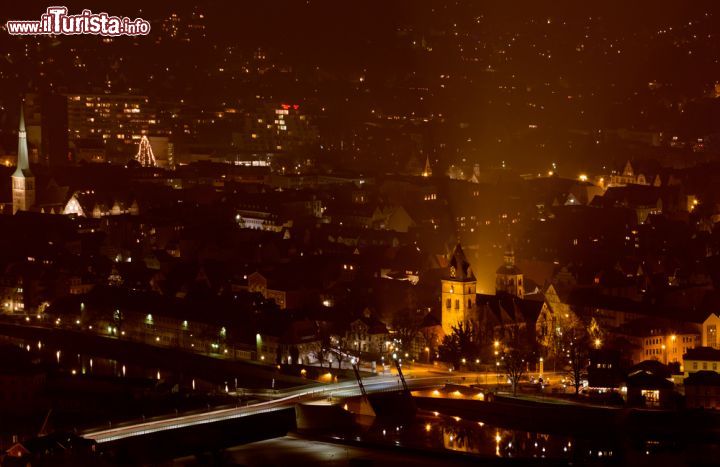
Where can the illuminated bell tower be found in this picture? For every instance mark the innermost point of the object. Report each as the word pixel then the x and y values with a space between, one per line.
pixel 509 278
pixel 23 181
pixel 458 292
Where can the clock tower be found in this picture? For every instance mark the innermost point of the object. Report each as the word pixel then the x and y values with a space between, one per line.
pixel 458 292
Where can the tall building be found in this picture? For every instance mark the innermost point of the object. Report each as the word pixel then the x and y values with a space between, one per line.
pixel 509 278
pixel 23 181
pixel 273 128
pixel 458 292
pixel 116 121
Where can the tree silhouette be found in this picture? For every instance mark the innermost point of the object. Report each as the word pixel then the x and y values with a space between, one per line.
pixel 465 341
pixel 515 365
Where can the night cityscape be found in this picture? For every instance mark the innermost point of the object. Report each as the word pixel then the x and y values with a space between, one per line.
pixel 316 232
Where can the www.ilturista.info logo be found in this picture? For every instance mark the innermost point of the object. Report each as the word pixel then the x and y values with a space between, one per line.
pixel 57 21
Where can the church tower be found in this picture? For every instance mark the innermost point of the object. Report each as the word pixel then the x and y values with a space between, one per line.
pixel 458 292
pixel 509 278
pixel 23 181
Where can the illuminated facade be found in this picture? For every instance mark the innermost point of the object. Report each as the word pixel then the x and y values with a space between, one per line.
pixel 118 120
pixel 666 347
pixel 458 292
pixel 88 204
pixel 710 331
pixel 701 359
pixel 276 128
pixel 23 181
pixel 630 177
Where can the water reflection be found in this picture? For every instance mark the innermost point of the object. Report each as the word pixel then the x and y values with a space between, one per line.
pixel 485 440
pixel 63 362
pixel 436 431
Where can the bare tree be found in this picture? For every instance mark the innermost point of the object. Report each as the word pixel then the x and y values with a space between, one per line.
pixel 519 352
pixel 406 324
pixel 430 338
pixel 515 365
pixel 576 346
pixel 321 354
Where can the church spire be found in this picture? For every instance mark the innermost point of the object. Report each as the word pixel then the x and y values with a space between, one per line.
pixel 23 161
pixel 460 268
pixel 427 171
pixel 23 181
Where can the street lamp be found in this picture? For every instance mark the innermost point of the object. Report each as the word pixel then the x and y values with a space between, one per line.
pixel 598 343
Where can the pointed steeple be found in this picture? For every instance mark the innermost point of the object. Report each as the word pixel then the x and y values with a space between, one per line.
pixel 23 161
pixel 427 172
pixel 459 266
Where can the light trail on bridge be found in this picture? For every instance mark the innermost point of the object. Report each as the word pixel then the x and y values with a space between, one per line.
pixel 344 389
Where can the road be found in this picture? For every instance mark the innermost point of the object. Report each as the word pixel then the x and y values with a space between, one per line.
pixel 288 399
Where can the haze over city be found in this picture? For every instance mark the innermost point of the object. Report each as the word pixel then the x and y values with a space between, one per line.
pixel 359 233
